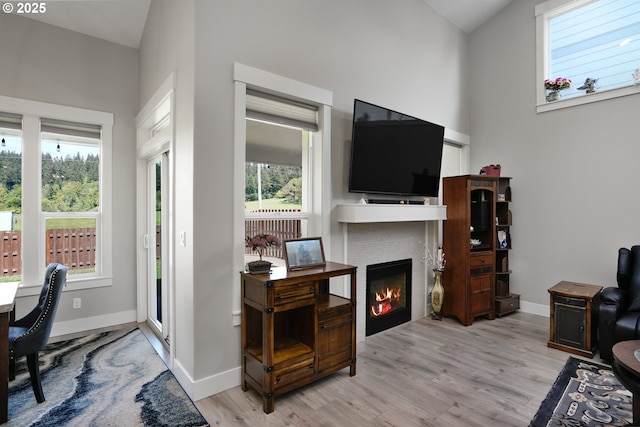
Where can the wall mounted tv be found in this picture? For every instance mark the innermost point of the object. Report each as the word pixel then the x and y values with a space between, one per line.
pixel 393 153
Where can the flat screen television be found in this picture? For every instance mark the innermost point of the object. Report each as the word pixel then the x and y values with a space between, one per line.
pixel 393 153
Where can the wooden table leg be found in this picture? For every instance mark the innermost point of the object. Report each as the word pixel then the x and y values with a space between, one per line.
pixel 4 367
pixel 268 404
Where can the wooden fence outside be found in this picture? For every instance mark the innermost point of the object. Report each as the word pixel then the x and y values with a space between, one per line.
pixel 283 229
pixel 73 247
pixel 76 247
pixel 11 253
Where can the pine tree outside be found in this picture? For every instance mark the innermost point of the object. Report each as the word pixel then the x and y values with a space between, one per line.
pixel 70 184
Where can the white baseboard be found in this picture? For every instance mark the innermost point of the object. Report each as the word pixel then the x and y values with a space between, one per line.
pixel 207 386
pixel 533 308
pixel 68 327
pixel 183 377
pixel 217 383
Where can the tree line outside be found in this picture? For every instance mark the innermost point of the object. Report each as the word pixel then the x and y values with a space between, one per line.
pixel 69 184
pixel 281 186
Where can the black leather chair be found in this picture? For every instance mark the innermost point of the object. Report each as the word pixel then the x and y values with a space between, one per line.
pixel 30 334
pixel 620 307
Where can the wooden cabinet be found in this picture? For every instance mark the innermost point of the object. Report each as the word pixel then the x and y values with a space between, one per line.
pixel 571 326
pixel 469 242
pixel 506 302
pixel 294 331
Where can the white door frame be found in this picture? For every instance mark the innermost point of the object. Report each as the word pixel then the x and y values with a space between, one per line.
pixel 152 141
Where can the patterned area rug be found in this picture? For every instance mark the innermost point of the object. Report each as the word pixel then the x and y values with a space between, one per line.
pixel 110 379
pixel 585 394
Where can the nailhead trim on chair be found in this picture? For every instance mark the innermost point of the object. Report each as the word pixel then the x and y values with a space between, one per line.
pixel 47 306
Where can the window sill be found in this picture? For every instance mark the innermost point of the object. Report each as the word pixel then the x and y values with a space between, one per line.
pixel 72 285
pixel 588 98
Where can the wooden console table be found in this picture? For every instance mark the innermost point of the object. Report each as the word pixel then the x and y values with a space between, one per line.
pixel 294 331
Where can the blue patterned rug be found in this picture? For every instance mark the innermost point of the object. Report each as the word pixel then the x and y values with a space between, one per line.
pixel 585 394
pixel 109 379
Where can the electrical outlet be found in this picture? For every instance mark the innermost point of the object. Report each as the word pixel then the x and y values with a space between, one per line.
pixel 77 303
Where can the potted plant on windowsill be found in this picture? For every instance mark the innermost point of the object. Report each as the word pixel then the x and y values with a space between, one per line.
pixel 554 86
pixel 259 243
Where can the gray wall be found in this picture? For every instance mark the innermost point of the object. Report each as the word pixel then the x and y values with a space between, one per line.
pixel 167 46
pixel 574 201
pixel 574 187
pixel 398 54
pixel 44 63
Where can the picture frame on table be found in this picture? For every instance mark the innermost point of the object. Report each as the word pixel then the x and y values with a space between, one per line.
pixel 304 253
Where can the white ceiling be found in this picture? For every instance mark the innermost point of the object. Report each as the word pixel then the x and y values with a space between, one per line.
pixel 468 14
pixel 118 21
pixel 122 21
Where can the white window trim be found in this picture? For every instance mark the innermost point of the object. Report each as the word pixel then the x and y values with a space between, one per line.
pixel 320 209
pixel 544 12
pixel 32 243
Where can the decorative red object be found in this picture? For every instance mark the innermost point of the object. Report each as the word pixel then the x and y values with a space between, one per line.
pixel 491 170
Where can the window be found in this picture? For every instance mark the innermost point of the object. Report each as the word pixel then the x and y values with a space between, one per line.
pixel 55 192
pixel 277 168
pixel 70 194
pixel 588 39
pixel 278 132
pixel 11 197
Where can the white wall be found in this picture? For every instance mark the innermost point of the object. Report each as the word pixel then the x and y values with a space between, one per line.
pixel 574 170
pixel 44 63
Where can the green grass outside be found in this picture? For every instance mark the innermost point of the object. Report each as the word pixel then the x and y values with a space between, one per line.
pixel 271 204
pixel 57 223
pixel 7 279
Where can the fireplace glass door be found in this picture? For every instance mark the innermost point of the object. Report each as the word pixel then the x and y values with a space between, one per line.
pixel 388 295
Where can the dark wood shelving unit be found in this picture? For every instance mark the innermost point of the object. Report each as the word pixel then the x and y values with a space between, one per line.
pixel 506 302
pixel 469 276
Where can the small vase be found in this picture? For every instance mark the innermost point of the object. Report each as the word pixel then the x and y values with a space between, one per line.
pixel 437 295
pixel 259 266
pixel 553 95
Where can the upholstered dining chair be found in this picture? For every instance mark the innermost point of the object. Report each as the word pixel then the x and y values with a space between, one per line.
pixel 29 335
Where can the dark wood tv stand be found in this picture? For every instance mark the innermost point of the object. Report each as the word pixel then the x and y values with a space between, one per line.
pixel 294 331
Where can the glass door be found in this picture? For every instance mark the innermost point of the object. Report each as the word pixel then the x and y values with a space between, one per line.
pixel 156 238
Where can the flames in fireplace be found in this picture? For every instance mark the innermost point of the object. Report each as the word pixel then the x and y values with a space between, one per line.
pixel 386 301
pixel 388 295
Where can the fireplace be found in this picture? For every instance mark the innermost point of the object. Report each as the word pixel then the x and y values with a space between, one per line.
pixel 388 295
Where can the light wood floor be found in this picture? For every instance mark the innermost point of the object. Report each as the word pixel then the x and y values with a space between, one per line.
pixel 422 373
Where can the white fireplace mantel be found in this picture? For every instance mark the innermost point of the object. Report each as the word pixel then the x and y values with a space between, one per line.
pixel 368 213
